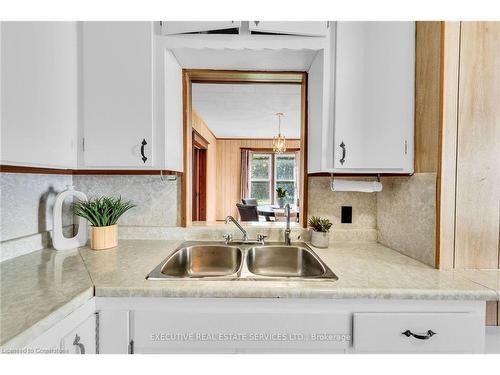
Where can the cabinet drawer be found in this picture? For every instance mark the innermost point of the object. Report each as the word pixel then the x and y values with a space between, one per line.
pixel 240 332
pixel 395 332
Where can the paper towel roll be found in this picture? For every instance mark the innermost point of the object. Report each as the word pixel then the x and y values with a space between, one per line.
pixel 352 185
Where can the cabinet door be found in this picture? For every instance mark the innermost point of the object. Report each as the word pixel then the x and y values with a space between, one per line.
pixel 114 332
pixel 309 28
pixel 117 94
pixel 374 96
pixel 81 340
pixel 39 107
pixel 182 27
pixel 320 123
pixel 172 112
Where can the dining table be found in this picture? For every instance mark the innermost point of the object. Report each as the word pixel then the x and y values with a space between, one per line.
pixel 273 211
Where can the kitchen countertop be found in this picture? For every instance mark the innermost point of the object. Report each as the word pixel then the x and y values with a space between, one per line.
pixel 488 278
pixel 40 288
pixel 365 270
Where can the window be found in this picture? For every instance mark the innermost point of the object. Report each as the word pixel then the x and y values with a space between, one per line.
pixel 260 178
pixel 286 176
pixel 269 171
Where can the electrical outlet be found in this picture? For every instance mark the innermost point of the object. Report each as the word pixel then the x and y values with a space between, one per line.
pixel 346 215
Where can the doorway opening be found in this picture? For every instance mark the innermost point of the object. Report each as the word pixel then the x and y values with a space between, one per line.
pixel 199 178
pixel 230 126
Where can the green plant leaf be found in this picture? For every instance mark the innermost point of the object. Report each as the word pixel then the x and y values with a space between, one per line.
pixel 320 224
pixel 102 211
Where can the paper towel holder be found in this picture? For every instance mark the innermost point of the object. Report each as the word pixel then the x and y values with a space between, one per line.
pixel 355 185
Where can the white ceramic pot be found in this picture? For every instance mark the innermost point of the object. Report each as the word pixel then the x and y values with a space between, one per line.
pixel 281 202
pixel 320 239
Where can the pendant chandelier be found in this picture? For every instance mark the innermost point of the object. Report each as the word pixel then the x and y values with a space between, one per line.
pixel 279 142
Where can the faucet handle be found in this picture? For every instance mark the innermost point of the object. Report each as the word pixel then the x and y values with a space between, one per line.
pixel 261 238
pixel 227 238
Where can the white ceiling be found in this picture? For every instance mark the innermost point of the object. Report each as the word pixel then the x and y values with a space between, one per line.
pixel 248 110
pixel 246 59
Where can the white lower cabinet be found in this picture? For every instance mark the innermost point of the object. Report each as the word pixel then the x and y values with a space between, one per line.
pixel 81 340
pixel 76 333
pixel 265 325
pixel 276 325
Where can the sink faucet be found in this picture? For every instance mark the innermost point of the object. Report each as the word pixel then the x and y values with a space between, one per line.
pixel 287 230
pixel 245 234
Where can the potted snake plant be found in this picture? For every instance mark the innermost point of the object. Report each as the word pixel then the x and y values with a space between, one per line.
pixel 103 214
pixel 321 228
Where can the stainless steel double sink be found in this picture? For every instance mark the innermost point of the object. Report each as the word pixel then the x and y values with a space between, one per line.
pixel 242 261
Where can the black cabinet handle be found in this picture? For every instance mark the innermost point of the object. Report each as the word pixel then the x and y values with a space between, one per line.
pixel 143 144
pixel 77 342
pixel 342 146
pixel 427 336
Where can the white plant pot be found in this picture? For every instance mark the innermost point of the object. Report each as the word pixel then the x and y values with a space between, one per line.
pixel 320 239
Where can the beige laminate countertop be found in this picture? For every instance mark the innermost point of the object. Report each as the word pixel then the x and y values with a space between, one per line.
pixel 40 288
pixel 365 270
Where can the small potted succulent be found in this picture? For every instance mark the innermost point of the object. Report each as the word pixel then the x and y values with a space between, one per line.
pixel 281 194
pixel 320 235
pixel 103 214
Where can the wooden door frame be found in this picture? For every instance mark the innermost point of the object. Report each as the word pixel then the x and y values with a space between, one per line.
pixel 201 144
pixel 190 76
pixel 202 182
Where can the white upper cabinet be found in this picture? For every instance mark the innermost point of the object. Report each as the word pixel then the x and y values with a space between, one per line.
pixel 374 96
pixel 305 28
pixel 169 107
pixel 39 107
pixel 117 95
pixel 184 27
pixel 366 123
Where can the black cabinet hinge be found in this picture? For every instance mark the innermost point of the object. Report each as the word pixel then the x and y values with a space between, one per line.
pixel 131 347
pixel 97 332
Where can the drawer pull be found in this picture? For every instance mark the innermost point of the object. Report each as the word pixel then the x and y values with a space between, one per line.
pixel 429 334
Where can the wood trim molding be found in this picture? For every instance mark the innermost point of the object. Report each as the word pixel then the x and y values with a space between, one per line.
pixel 186 214
pixel 251 139
pixel 268 150
pixel 131 172
pixel 38 170
pixel 244 76
pixel 124 172
pixel 304 192
pixel 447 146
pixel 326 174
pixel 191 76
pixel 199 141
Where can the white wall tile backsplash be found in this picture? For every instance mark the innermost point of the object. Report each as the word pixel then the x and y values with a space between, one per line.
pixel 403 213
pixel 325 203
pixel 26 202
pixel 158 202
pixel 406 215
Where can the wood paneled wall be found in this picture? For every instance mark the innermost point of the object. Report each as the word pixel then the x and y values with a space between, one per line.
pixel 478 147
pixel 469 158
pixel 228 171
pixel 478 151
pixel 201 127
